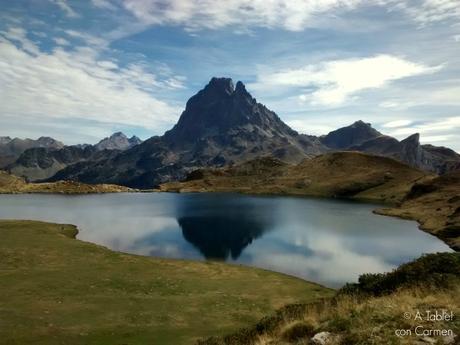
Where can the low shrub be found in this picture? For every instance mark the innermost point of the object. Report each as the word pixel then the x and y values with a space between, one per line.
pixel 437 270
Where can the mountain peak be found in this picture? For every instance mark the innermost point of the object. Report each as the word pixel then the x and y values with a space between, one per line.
pixel 118 135
pixel 220 85
pixel 412 139
pixel 117 141
pixel 222 110
pixel 355 134
pixel 361 123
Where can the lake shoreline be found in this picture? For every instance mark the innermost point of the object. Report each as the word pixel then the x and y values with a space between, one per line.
pixel 395 210
pixel 137 298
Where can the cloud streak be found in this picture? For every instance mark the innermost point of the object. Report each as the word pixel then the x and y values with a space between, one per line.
pixel 64 6
pixel 334 82
pixel 78 84
pixel 292 15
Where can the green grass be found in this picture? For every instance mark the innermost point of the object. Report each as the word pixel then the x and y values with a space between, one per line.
pixel 370 311
pixel 58 290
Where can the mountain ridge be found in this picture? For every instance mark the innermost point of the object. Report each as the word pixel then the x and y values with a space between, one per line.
pixel 41 162
pixel 223 124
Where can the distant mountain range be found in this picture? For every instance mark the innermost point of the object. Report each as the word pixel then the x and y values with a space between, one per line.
pixel 221 125
pixel 42 158
pixel 12 148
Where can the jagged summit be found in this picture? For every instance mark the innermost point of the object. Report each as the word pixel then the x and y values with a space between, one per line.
pixel 220 108
pixel 223 124
pixel 224 86
pixel 412 139
pixel 118 141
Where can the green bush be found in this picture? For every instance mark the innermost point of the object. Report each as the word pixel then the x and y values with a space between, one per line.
pixel 438 270
pixel 298 331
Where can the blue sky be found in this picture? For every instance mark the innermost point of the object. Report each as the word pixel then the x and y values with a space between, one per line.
pixel 80 70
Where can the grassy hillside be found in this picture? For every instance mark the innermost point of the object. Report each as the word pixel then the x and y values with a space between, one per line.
pixel 431 200
pixel 58 290
pixel 435 203
pixel 370 311
pixel 339 174
pixel 10 184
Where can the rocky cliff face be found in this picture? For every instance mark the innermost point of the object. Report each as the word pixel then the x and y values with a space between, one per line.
pixel 222 124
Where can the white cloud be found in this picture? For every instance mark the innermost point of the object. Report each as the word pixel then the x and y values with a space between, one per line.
pixel 106 4
pixel 64 6
pixel 312 126
pixel 336 81
pixel 78 85
pixel 61 41
pixel 397 123
pixel 88 39
pixel 443 129
pixel 436 138
pixel 429 11
pixel 18 36
pixel 293 15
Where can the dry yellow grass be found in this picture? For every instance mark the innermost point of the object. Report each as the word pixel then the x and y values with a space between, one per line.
pixel 371 321
pixel 431 200
pixel 10 184
pixel 339 174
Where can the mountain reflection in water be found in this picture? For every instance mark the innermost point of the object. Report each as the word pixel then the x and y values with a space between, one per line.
pixel 223 228
pixel 326 241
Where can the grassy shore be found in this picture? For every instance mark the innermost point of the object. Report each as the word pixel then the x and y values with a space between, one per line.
pixel 431 200
pixel 58 290
pixel 10 184
pixel 381 309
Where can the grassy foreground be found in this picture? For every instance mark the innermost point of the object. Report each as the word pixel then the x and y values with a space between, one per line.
pixel 58 290
pixel 381 309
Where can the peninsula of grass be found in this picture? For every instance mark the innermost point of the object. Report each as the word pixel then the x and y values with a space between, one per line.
pixel 55 289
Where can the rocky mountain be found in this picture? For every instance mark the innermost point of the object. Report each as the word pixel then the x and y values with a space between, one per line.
pixel 11 149
pixel 362 137
pixel 118 141
pixel 355 134
pixel 40 163
pixel 222 124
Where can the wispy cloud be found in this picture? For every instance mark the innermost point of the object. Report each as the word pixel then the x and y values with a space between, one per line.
pixel 65 7
pixel 288 14
pixel 61 41
pixel 334 82
pixel 397 123
pixel 79 84
pixel 429 11
pixel 106 4
pixel 443 130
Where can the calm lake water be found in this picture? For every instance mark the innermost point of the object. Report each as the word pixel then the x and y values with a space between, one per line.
pixel 326 241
